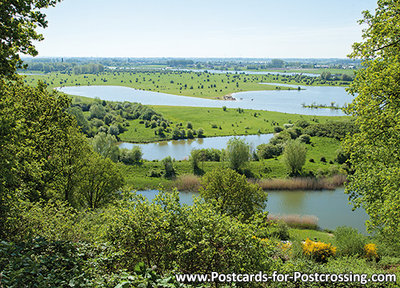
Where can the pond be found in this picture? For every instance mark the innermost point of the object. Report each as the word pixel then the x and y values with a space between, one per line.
pixel 287 101
pixel 331 207
pixel 180 149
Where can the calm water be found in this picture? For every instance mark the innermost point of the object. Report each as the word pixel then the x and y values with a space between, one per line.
pixel 331 207
pixel 180 149
pixel 288 101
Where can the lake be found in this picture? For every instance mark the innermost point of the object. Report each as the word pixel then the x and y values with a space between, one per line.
pixel 180 149
pixel 331 207
pixel 287 101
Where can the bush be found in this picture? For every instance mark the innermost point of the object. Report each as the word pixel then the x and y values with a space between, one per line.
pixel 154 173
pixel 371 252
pixel 132 156
pixel 194 239
pixel 237 153
pixel 41 263
pixel 306 139
pixel 267 151
pixel 167 162
pixel 294 156
pixel 278 129
pixel 349 241
pixel 231 194
pixel 318 251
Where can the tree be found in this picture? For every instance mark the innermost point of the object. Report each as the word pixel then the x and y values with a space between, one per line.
pixel 237 153
pixel 375 148
pixel 132 156
pixel 232 194
pixel 294 156
pixel 105 145
pixel 100 182
pixel 18 22
pixel 168 164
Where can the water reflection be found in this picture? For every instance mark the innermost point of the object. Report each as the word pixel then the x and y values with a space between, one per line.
pixel 331 207
pixel 287 101
pixel 180 149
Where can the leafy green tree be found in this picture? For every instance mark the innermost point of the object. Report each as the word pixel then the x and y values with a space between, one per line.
pixel 80 119
pixel 18 22
pixel 169 168
pixel 232 194
pixel 267 151
pixel 237 153
pixel 194 239
pixel 131 156
pixel 97 111
pixel 375 149
pixel 294 156
pixel 101 179
pixel 105 145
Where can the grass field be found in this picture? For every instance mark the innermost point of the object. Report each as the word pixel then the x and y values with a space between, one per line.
pixel 194 84
pixel 228 122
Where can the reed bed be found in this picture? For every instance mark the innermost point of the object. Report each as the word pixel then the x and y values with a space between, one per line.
pixel 297 221
pixel 187 182
pixel 307 183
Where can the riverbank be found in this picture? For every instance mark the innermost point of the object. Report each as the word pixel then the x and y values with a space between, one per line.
pixel 217 122
pixel 181 83
pixel 148 175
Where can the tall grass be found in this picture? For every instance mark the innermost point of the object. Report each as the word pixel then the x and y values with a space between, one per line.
pixel 297 221
pixel 188 182
pixel 303 183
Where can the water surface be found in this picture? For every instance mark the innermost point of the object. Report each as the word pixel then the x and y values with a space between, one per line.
pixel 331 207
pixel 180 149
pixel 287 101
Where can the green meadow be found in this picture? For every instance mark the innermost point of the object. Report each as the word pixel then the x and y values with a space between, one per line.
pixel 217 122
pixel 185 83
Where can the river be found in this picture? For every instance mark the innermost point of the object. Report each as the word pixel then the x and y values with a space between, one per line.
pixel 332 208
pixel 180 149
pixel 287 101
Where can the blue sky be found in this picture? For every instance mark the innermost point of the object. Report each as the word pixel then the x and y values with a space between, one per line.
pixel 191 28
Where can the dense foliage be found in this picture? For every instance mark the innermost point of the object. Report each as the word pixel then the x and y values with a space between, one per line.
pixel 18 22
pixel 374 149
pixel 232 194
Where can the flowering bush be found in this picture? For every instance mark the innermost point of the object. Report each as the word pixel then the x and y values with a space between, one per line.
pixel 371 252
pixel 318 251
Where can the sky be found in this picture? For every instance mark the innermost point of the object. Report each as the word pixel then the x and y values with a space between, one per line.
pixel 203 28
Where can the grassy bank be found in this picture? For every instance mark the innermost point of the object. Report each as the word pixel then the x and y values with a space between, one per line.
pixel 185 83
pixel 217 122
pixel 138 177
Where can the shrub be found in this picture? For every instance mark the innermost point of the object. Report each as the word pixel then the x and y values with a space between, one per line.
pixel 318 251
pixel 294 156
pixel 302 123
pixel 305 139
pixel 167 162
pixel 349 241
pixel 267 151
pixel 278 129
pixel 371 251
pixel 194 239
pixel 132 156
pixel 231 194
pixel 154 173
pixel 237 153
pixel 41 263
